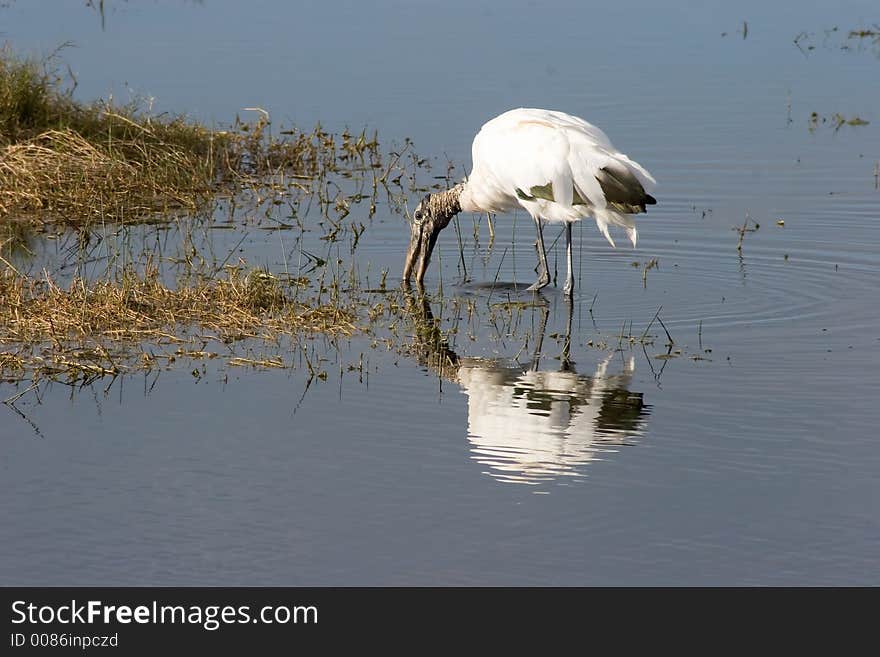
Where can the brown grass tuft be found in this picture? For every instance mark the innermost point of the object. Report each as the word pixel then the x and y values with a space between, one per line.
pixel 62 173
pixel 105 327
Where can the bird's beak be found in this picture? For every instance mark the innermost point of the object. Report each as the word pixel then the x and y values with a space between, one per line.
pixel 423 237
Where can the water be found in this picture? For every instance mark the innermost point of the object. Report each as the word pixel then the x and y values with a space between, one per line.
pixel 751 457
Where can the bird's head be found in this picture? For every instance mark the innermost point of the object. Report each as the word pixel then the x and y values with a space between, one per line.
pixel 432 214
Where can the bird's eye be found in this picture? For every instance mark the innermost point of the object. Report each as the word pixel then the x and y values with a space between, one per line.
pixel 419 215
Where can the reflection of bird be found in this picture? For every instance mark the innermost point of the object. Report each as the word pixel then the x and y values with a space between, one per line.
pixel 530 425
pixel 558 167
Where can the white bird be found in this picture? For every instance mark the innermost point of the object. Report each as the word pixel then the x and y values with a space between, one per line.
pixel 557 166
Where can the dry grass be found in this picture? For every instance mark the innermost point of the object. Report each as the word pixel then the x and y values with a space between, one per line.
pixel 62 160
pixel 107 327
pixel 61 173
pixel 74 162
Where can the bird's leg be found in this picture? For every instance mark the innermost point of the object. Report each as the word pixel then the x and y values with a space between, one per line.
pixel 542 270
pixel 569 280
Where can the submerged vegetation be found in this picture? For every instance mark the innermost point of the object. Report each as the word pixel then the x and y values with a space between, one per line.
pixel 856 40
pixel 836 120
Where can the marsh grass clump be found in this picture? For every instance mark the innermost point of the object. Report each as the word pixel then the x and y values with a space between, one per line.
pixel 77 163
pixel 262 291
pixel 256 151
pixel 28 97
pixel 63 175
pixel 67 161
pixel 108 327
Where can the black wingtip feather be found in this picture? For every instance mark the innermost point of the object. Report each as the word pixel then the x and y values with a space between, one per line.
pixel 650 200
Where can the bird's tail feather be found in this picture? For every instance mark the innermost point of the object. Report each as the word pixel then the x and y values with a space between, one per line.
pixel 607 217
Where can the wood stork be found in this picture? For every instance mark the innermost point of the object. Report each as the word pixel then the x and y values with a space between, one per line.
pixel 557 166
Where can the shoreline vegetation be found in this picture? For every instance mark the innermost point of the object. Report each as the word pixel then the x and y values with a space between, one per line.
pixel 69 170
pixel 78 163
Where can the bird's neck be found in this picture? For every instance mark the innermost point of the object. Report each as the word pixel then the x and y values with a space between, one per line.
pixel 445 205
pixel 465 198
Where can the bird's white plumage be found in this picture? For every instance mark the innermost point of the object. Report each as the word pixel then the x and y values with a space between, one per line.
pixel 527 148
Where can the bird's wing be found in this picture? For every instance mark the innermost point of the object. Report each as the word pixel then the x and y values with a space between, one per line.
pixel 555 157
pixel 559 166
pixel 518 159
